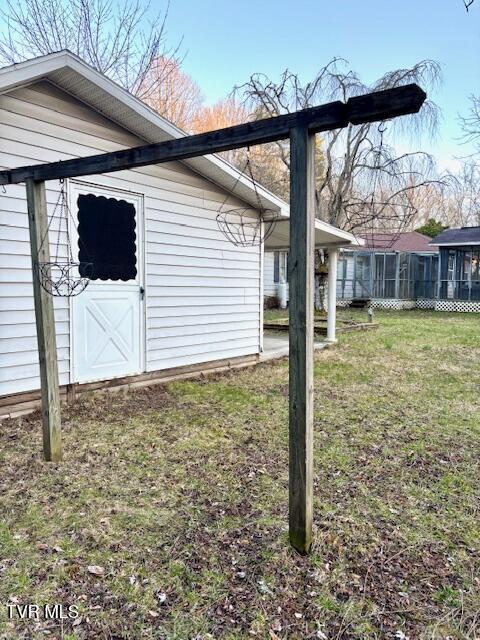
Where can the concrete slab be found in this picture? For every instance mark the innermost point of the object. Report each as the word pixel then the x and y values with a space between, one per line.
pixel 275 345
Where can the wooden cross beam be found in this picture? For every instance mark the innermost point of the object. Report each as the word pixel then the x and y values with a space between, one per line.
pixel 371 107
pixel 300 127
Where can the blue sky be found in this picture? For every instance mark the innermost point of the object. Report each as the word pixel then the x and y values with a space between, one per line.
pixel 226 41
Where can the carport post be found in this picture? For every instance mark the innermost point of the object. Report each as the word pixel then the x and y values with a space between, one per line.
pixel 332 295
pixel 301 278
pixel 44 317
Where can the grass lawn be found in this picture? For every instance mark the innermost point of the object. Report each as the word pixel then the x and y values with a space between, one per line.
pixel 168 516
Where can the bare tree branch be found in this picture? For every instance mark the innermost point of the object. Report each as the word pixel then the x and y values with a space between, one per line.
pixel 471 123
pixel 460 203
pixel 106 34
pixel 171 92
pixel 362 183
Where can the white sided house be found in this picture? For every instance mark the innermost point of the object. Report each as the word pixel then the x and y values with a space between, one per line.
pixel 180 298
pixel 275 271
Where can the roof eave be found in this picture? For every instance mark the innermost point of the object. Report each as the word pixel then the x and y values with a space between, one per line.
pixel 213 167
pixel 36 69
pixel 466 243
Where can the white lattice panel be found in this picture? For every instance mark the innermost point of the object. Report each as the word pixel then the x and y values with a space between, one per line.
pixel 461 306
pixel 392 303
pixel 425 303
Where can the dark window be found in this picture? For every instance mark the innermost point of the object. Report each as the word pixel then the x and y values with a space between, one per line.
pixel 280 266
pixel 276 266
pixel 106 238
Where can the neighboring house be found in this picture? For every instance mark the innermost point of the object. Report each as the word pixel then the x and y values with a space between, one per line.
pixel 392 269
pixel 409 270
pixel 459 270
pixel 275 269
pixel 188 297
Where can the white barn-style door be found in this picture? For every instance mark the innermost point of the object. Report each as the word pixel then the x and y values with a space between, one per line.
pixel 107 327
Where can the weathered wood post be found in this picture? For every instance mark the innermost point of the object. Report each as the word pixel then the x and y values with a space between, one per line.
pixel 301 278
pixel 47 347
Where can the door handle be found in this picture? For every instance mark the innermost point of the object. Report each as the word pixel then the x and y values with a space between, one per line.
pixel 142 293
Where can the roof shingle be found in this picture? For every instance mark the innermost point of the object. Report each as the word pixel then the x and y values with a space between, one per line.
pixel 411 241
pixel 465 235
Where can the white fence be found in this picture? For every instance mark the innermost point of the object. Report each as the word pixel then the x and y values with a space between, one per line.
pixel 460 306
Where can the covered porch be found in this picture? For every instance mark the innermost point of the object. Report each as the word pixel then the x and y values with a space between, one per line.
pixel 459 273
pixel 326 237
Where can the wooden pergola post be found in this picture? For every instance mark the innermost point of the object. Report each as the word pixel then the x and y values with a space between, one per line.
pixel 301 278
pixel 47 345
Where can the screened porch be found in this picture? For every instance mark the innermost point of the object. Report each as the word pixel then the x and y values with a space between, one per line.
pixel 459 273
pixel 369 274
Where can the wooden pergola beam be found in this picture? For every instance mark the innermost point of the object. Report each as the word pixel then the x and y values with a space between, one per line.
pixel 371 107
pixel 300 127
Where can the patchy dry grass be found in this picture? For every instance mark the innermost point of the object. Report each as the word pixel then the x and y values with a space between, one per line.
pixel 179 494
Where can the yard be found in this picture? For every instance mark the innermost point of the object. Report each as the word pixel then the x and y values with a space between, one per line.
pixel 168 516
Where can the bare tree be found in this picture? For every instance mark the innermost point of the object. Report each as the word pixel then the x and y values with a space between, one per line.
pixel 224 113
pixel 173 93
pixel 427 202
pixel 460 205
pixel 362 181
pixel 107 35
pixel 267 167
pixel 471 122
pixel 362 184
pixel 392 194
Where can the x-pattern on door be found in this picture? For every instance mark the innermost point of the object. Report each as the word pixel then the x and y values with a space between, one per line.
pixel 107 316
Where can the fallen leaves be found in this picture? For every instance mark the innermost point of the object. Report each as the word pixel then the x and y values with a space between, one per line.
pixel 182 505
pixel 96 570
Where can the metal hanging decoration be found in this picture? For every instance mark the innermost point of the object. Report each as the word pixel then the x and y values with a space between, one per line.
pixel 238 225
pixel 60 276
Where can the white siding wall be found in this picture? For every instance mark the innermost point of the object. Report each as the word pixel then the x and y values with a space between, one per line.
pixel 203 294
